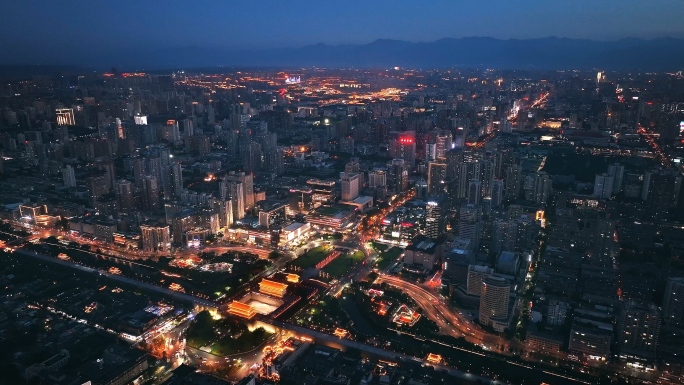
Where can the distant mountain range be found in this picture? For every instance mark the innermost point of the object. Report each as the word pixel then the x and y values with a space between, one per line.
pixel 664 54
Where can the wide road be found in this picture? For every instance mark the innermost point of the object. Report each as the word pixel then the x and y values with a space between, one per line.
pixel 262 253
pixel 449 322
pixel 129 281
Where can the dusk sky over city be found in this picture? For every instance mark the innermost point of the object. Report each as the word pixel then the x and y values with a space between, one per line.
pixel 98 26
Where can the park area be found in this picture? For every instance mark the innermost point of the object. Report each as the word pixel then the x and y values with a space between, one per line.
pixel 223 337
pixel 340 265
pixel 312 257
pixel 388 257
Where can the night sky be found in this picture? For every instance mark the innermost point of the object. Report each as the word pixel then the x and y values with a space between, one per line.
pixel 63 31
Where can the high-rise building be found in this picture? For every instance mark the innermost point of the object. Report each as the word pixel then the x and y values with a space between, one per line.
pixel 124 195
pixel 434 217
pixel 352 166
pixel 69 176
pixel 494 299
pixel 469 223
pixel 377 178
pixel 247 181
pixel 603 186
pixel 97 186
pixel 398 175
pixel 497 192
pixel 537 187
pixel 513 181
pixel 251 158
pixel 403 146
pixel 617 171
pixel 350 187
pixel 150 193
pixel 176 178
pixel 237 196
pixel 443 143
pixel 474 192
pixel 224 208
pixel 454 158
pixel 639 330
pixel 139 166
pixel 661 191
pixel 347 145
pixel 673 301
pixel 437 177
pixel 155 238
pixel 430 152
pixel 476 274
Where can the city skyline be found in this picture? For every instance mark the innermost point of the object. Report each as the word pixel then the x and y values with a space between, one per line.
pixel 280 193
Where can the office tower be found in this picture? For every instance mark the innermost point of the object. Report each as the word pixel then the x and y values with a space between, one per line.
pixel 437 177
pixel 673 301
pixel 350 187
pixel 347 145
pixel 69 176
pixel 155 238
pixel 513 182
pixel 474 192
pixel 124 195
pixel 65 117
pixel 617 171
pixel 497 192
pixel 494 302
pixel 476 274
pixel 377 178
pixel 398 175
pixel 603 186
pixel 150 193
pixel 639 329
pixel 434 218
pixel 403 146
